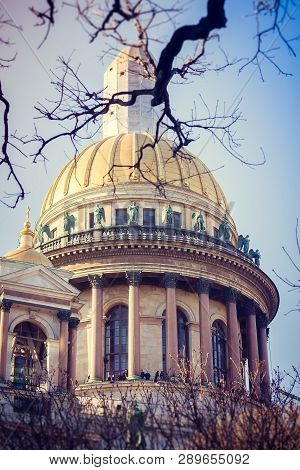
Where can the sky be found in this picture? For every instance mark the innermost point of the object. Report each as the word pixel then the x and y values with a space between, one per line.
pixel 265 199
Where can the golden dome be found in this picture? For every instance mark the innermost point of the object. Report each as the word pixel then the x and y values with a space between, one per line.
pixel 26 252
pixel 111 161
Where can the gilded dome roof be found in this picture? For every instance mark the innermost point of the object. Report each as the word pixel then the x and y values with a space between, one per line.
pixel 110 162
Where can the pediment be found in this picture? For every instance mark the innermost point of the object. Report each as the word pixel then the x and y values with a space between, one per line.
pixel 40 277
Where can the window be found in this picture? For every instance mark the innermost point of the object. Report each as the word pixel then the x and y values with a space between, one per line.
pixel 29 355
pixel 116 342
pixel 216 232
pixel 91 220
pixel 182 335
pixel 149 217
pixel 177 220
pixel 219 351
pixel 53 233
pixel 121 217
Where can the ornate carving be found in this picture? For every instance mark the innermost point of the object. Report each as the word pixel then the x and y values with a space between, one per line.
pixel 231 295
pixel 96 280
pixel 171 279
pixel 134 278
pixel 203 286
pixel 262 321
pixel 73 322
pixel 250 307
pixel 64 315
pixel 6 305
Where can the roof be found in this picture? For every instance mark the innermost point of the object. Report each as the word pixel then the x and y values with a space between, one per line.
pixel 111 162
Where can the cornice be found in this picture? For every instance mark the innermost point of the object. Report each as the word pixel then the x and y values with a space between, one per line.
pixel 232 271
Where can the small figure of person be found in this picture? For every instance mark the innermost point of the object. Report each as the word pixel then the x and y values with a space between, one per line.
pixel 156 377
pixel 142 374
pixel 162 375
pixel 147 376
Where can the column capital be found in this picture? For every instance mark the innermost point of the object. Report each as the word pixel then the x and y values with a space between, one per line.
pixel 6 305
pixel 262 321
pixel 250 307
pixel 73 322
pixel 64 315
pixel 134 278
pixel 231 294
pixel 96 280
pixel 203 286
pixel 171 279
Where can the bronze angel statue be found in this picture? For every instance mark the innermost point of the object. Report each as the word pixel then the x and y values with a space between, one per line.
pixel 40 233
pixel 255 254
pixel 198 219
pixel 69 222
pixel 99 215
pixel 243 243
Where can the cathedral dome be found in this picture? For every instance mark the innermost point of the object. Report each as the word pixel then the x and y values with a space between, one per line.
pixel 111 162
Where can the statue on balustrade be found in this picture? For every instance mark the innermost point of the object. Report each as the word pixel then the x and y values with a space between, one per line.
pixel 199 224
pixel 243 243
pixel 69 222
pixel 40 233
pixel 99 215
pixel 256 256
pixel 133 213
pixel 224 231
pixel 169 216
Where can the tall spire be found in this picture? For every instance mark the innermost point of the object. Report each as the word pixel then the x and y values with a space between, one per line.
pixel 127 73
pixel 26 235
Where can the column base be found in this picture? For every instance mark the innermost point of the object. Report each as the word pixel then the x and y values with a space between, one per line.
pixel 134 377
pixel 95 380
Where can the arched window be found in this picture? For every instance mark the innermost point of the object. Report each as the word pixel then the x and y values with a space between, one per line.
pixel 29 355
pixel 182 335
pixel 116 342
pixel 219 351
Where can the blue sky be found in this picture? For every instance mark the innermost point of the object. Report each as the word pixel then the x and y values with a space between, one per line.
pixel 266 198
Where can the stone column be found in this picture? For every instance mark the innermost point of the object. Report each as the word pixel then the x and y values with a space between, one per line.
pixel 203 287
pixel 170 281
pixel 96 370
pixel 234 360
pixel 134 279
pixel 72 353
pixel 262 323
pixel 253 357
pixel 63 316
pixel 4 322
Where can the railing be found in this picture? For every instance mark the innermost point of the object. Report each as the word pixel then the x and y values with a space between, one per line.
pixel 151 234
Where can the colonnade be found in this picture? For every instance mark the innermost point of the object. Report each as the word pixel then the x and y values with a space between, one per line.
pixel 256 326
